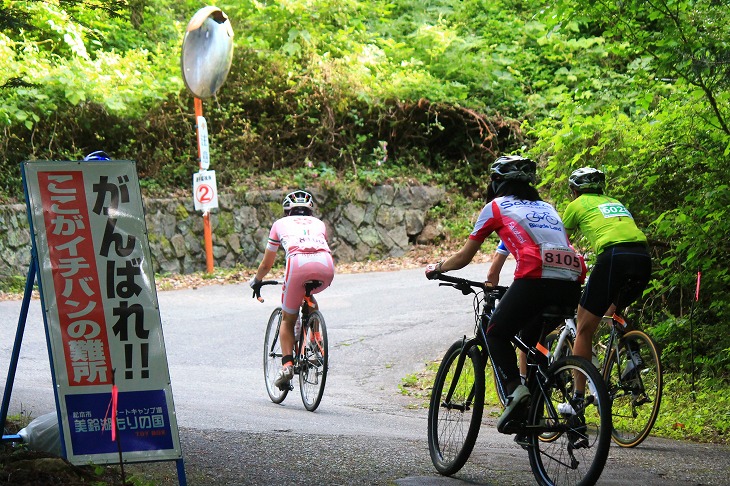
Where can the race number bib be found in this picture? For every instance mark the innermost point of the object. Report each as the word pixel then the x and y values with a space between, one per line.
pixel 614 210
pixel 561 258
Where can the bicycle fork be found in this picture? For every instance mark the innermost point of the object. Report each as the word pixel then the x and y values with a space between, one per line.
pixel 466 344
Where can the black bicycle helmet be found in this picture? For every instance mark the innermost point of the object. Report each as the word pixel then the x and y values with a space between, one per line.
pixel 587 179
pixel 513 168
pixel 298 202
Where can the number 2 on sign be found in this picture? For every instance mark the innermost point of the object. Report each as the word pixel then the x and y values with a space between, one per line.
pixel 204 194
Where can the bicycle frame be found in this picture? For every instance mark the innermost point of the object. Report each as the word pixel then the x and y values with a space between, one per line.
pixel 569 331
pixel 309 350
pixel 558 444
pixel 536 356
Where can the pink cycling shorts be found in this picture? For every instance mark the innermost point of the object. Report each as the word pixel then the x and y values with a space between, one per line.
pixel 301 268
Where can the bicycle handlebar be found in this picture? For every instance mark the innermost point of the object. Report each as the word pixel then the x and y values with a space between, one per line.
pixel 257 290
pixel 466 285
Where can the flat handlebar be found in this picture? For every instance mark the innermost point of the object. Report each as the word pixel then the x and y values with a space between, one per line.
pixel 466 286
pixel 257 291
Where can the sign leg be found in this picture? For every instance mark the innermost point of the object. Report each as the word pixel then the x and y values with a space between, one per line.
pixel 16 347
pixel 181 478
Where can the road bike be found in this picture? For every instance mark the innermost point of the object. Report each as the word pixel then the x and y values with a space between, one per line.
pixel 310 351
pixel 563 448
pixel 630 364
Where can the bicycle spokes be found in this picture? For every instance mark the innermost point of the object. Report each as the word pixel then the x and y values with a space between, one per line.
pixel 573 434
pixel 634 379
pixel 313 360
pixel 272 357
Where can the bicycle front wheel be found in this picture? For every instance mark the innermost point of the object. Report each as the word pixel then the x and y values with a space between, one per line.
pixel 635 388
pixel 313 361
pixel 272 357
pixel 456 407
pixel 569 448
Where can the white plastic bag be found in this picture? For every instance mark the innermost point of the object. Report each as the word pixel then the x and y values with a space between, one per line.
pixel 42 434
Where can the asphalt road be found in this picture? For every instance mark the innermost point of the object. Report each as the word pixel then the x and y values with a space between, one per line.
pixel 382 327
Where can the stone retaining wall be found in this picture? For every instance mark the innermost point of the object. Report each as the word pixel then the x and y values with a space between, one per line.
pixel 379 222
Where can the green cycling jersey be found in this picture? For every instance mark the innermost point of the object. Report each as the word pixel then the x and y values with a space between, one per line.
pixel 603 220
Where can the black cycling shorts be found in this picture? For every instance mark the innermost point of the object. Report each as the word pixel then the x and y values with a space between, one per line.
pixel 520 311
pixel 620 275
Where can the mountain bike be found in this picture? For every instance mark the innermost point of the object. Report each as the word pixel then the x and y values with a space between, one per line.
pixel 630 364
pixel 310 351
pixel 562 448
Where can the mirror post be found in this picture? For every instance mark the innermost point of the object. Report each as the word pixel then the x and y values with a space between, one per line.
pixel 207 231
pixel 205 60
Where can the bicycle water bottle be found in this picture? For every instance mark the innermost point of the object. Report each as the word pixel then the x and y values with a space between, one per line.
pixel 297 329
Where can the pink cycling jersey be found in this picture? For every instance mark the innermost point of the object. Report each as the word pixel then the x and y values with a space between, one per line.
pixel 308 258
pixel 298 234
pixel 533 232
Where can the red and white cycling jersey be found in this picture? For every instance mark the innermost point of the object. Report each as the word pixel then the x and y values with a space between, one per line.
pixel 534 233
pixel 298 234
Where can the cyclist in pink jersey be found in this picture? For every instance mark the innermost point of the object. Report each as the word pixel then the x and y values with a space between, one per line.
pixel 304 240
pixel 548 272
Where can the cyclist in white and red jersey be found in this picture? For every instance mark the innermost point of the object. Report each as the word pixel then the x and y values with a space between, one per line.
pixel 549 271
pixel 304 240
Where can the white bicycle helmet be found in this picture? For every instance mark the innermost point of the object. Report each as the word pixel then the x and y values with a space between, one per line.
pixel 587 179
pixel 298 202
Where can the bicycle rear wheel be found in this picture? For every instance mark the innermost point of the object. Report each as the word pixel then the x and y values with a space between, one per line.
pixel 578 444
pixel 454 417
pixel 313 361
pixel 272 357
pixel 636 395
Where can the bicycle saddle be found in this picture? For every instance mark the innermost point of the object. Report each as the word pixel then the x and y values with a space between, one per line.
pixel 310 285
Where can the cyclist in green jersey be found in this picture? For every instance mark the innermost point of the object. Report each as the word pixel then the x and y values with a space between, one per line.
pixel 623 264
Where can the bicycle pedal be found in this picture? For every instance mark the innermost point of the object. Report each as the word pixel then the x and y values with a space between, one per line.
pixel 641 400
pixel 522 440
pixel 579 443
pixel 511 427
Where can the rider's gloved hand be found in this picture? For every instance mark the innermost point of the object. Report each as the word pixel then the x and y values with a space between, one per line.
pixel 433 270
pixel 255 284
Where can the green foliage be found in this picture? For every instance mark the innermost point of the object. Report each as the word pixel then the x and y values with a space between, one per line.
pixel 663 142
pixel 701 413
pixel 418 385
pixel 13 284
pixel 457 214
pixel 349 93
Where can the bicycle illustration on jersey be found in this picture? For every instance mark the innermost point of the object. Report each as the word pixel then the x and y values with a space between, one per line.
pixel 536 217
